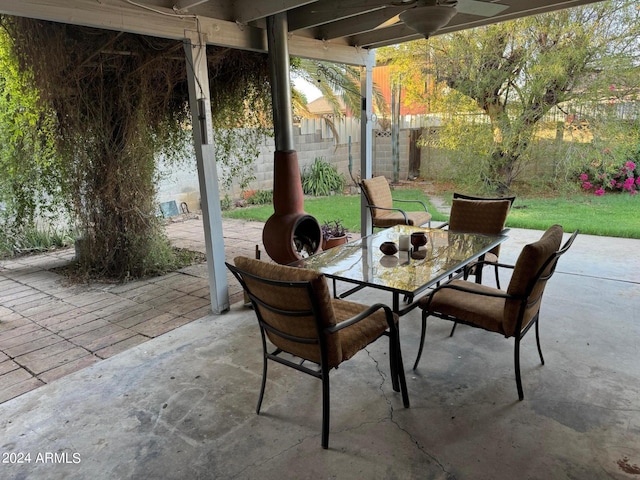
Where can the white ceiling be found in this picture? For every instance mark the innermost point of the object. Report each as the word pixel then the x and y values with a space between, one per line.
pixel 335 30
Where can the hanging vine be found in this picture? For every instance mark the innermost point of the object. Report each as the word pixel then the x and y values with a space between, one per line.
pixel 120 100
pixel 242 118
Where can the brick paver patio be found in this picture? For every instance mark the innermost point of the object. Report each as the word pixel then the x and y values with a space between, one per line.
pixel 50 328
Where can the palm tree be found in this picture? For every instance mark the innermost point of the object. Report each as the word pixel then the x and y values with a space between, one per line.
pixel 339 84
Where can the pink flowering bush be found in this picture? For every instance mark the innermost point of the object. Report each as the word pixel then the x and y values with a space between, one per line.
pixel 599 178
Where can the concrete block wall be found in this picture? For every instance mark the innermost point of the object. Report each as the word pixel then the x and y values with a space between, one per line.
pixel 382 158
pixel 309 147
pixel 179 182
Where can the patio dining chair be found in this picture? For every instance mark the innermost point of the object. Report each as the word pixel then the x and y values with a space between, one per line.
pixel 380 203
pixel 480 215
pixel 511 313
pixel 312 332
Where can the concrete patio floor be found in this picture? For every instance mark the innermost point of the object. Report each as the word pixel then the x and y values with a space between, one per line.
pixel 182 405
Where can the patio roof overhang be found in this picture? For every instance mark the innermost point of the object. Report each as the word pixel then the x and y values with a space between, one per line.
pixel 334 30
pixel 339 31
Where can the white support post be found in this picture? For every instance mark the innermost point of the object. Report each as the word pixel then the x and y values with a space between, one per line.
pixel 200 103
pixel 366 137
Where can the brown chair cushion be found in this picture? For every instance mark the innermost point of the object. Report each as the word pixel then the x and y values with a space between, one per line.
pixel 385 218
pixel 341 345
pixel 484 311
pixel 498 314
pixel 479 216
pixel 528 264
pixel 285 298
pixel 357 336
pixel 378 193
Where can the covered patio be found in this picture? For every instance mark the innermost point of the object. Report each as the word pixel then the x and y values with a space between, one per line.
pixel 346 31
pixel 183 405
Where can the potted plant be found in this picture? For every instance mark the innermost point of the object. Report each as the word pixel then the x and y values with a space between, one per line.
pixel 333 234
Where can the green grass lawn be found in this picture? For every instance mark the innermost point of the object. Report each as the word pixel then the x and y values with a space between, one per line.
pixel 613 215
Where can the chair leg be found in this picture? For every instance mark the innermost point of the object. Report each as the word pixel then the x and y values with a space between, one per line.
pixel 516 355
pixel 455 324
pixel 538 342
pixel 393 360
pixel 497 278
pixel 401 376
pixel 422 337
pixel 264 382
pixel 396 365
pixel 325 409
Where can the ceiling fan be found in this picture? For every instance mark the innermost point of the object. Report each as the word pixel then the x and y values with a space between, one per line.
pixel 428 16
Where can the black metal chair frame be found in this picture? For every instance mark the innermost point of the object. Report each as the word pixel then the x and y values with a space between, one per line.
pixel 473 197
pixel 322 372
pixel 525 303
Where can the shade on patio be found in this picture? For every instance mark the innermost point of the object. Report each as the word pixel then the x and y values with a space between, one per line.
pixel 183 405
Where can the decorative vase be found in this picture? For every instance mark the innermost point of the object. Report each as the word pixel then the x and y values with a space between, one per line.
pixel 418 239
pixel 389 248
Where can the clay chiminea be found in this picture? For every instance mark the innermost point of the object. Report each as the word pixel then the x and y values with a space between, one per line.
pixel 290 233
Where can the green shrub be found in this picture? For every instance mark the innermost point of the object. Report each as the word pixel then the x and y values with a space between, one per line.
pixel 261 197
pixel 31 239
pixel 322 178
pixel 226 203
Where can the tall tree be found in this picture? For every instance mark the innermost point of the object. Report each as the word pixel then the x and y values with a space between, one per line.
pixel 515 72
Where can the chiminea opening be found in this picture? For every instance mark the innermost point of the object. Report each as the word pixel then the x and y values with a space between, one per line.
pixel 290 233
pixel 305 236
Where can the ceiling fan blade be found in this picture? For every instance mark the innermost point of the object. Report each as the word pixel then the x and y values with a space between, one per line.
pixel 392 21
pixel 481 9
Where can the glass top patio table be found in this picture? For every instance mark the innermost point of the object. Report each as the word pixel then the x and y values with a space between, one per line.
pixel 362 263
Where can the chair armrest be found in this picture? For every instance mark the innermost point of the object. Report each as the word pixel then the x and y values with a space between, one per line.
pixel 413 201
pixel 406 219
pixel 497 293
pixel 494 264
pixel 361 316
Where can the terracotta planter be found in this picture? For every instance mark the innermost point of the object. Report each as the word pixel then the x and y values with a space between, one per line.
pixel 334 242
